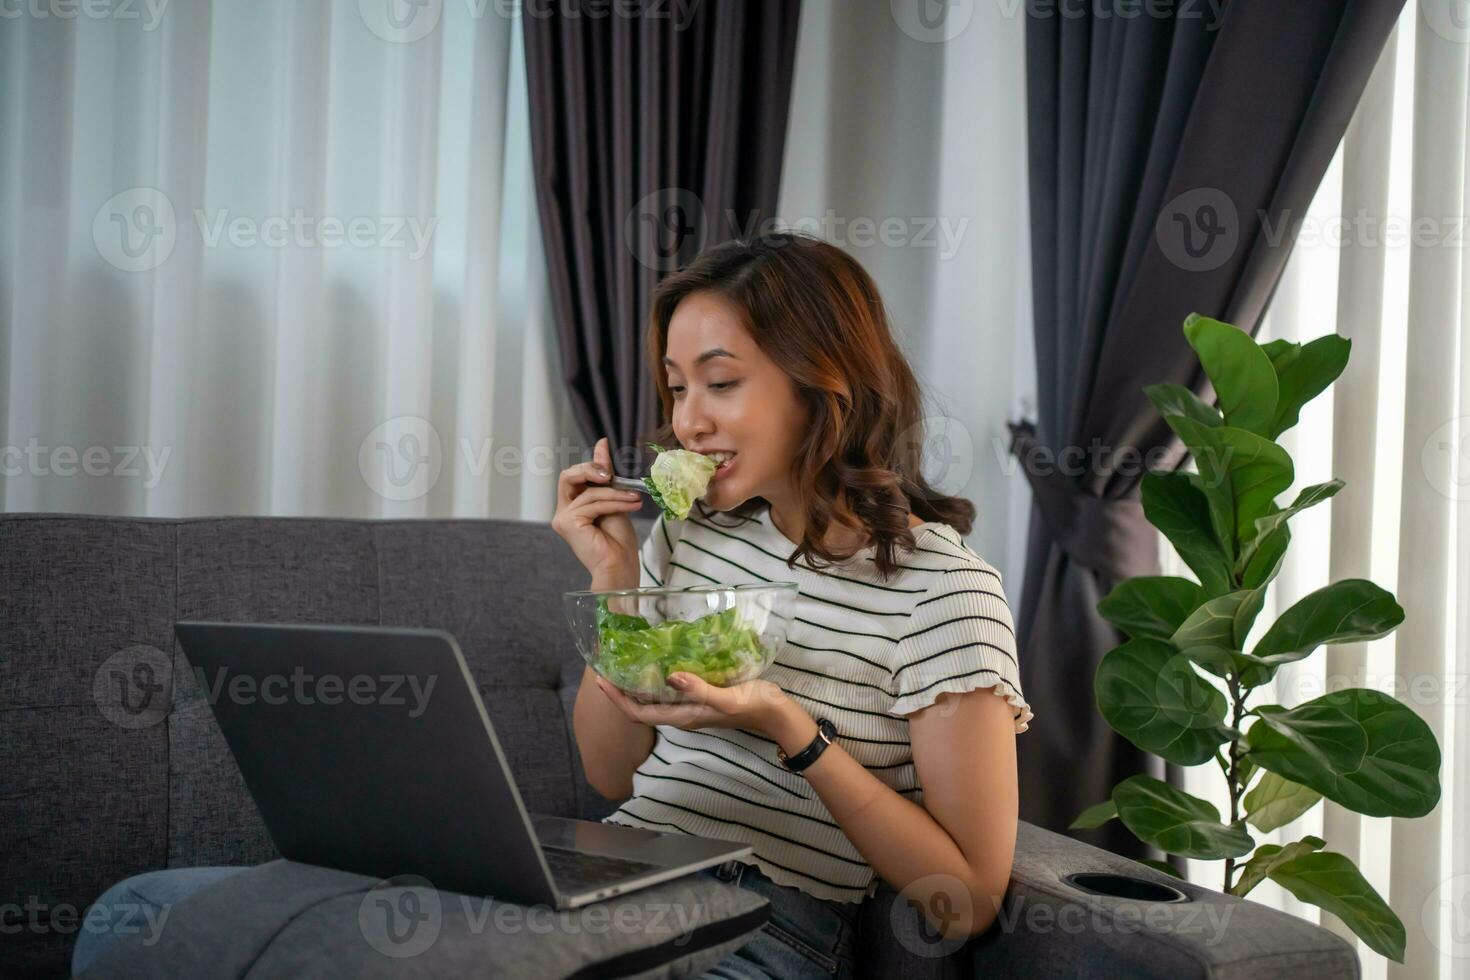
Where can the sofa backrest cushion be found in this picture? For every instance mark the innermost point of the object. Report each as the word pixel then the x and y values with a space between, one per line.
pixel 126 771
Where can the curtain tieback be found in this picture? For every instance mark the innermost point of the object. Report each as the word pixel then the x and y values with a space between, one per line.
pixel 1110 536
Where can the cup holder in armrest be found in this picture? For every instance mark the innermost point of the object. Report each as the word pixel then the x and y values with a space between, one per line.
pixel 1124 886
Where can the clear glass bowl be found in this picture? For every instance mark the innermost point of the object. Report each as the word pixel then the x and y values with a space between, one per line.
pixel 726 634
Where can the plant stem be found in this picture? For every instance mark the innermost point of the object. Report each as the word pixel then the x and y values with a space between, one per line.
pixel 1232 776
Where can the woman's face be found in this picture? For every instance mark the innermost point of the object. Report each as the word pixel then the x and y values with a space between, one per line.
pixel 734 399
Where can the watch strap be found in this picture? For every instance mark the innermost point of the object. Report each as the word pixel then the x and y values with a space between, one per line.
pixel 826 731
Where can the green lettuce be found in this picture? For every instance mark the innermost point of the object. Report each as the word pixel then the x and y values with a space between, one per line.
pixel 639 657
pixel 677 478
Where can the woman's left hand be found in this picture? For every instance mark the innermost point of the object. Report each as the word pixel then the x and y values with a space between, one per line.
pixel 756 705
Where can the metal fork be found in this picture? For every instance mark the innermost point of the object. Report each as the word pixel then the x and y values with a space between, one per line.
pixel 629 483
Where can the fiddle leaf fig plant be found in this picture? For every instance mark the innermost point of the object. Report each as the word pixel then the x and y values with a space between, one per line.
pixel 1183 684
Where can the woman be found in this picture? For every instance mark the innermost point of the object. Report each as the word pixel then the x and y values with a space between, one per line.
pixel 775 354
pixel 778 351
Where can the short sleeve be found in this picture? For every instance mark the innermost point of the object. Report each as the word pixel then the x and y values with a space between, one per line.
pixel 960 637
pixel 656 553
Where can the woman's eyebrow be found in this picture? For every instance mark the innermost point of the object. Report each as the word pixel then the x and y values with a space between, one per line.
pixel 707 355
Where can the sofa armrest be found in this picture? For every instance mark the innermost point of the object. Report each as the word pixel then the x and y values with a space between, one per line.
pixel 1049 926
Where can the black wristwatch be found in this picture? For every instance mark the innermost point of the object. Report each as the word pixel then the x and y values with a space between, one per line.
pixel 826 732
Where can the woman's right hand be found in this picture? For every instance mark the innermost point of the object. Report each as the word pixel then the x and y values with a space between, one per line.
pixel 594 519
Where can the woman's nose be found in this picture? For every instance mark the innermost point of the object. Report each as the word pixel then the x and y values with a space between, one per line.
pixel 690 426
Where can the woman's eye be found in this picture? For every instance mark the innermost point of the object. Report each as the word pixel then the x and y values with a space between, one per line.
pixel 677 390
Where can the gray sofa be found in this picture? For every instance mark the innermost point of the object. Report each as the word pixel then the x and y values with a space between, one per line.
pixel 88 796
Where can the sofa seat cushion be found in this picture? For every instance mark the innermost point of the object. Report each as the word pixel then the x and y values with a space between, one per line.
pixel 298 920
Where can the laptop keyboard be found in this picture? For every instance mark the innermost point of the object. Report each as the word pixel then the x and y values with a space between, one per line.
pixel 579 868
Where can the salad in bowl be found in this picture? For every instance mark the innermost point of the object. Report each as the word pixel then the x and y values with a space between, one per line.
pixel 724 634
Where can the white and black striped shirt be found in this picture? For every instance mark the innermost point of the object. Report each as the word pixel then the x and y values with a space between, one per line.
pixel 860 651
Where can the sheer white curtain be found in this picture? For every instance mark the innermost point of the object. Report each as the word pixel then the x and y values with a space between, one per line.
pixel 272 257
pixel 907 147
pixel 1380 260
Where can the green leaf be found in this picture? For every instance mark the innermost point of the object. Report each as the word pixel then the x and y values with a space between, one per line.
pixel 1350 610
pixel 1267 858
pixel 1094 816
pixel 1239 370
pixel 1240 474
pixel 1276 801
pixel 1357 747
pixel 1150 605
pixel 1266 556
pixel 1174 505
pixel 1150 694
pixel 1276 349
pixel 1222 622
pixel 1332 882
pixel 1308 496
pixel 1172 399
pixel 1220 661
pixel 1163 866
pixel 1176 822
pixel 1276 517
pixel 658 498
pixel 1303 374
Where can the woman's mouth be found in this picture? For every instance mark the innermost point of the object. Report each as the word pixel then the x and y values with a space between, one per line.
pixel 723 470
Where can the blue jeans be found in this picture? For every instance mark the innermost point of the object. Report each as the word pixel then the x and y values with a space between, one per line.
pixel 806 937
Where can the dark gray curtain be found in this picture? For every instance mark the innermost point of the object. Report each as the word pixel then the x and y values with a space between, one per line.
pixel 1157 147
pixel 652 138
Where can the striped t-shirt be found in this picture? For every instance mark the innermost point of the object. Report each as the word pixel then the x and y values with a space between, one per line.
pixel 860 651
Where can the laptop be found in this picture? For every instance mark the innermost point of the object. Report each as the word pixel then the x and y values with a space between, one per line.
pixel 368 749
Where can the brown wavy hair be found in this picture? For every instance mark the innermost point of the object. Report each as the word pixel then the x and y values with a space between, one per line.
pixel 816 312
